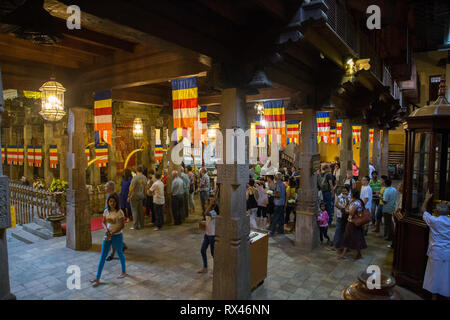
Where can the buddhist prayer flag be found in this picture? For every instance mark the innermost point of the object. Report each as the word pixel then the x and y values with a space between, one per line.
pixel 260 132
pixel 356 134
pixel 19 155
pixel 204 124
pixel 275 120
pixel 87 152
pixel 53 156
pixel 185 105
pixel 3 154
pixel 332 135
pixel 371 135
pixel 38 156
pixel 11 157
pixel 338 130
pixel 103 115
pixel 158 147
pixel 101 151
pixel 30 156
pixel 292 131
pixel 323 126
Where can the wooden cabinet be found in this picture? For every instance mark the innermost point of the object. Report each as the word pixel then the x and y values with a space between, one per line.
pixel 259 247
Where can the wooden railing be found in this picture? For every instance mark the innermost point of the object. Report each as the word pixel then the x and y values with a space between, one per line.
pixel 28 202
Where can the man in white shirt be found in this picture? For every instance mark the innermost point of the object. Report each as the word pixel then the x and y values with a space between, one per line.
pixel 157 189
pixel 366 196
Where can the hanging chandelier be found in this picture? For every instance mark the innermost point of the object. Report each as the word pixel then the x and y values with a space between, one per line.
pixel 259 108
pixel 138 129
pixel 52 100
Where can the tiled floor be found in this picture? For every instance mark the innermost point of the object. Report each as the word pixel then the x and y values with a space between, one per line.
pixel 164 265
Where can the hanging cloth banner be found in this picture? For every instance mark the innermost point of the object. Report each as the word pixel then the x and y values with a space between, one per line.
pixel 87 152
pixel 371 131
pixel 261 139
pixel 323 126
pixel 158 146
pixel 11 155
pixel 339 130
pixel 204 124
pixel 332 135
pixel 10 94
pixel 19 155
pixel 53 156
pixel 356 134
pixel 184 101
pixel 292 131
pixel 38 156
pixel 3 154
pixel 30 156
pixel 275 120
pixel 103 115
pixel 100 151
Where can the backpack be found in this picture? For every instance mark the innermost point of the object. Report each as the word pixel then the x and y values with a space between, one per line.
pixel 323 182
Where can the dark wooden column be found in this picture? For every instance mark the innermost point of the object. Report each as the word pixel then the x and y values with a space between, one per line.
pixel 79 235
pixel 231 278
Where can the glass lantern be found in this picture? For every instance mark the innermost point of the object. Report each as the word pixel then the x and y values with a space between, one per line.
pixel 138 129
pixel 52 100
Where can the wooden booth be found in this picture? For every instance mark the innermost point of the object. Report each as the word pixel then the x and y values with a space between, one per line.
pixel 427 160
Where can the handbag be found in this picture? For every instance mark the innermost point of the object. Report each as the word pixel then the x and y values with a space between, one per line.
pixel 362 218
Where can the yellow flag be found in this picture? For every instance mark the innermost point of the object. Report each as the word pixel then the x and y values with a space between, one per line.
pixel 13 217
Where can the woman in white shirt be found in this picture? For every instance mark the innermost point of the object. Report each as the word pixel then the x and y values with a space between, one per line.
pixel 212 210
pixel 113 223
pixel 263 201
pixel 437 273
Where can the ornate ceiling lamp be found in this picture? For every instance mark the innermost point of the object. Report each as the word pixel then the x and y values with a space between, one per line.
pixel 138 129
pixel 52 100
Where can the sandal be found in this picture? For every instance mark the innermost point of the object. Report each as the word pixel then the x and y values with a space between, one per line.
pixel 122 275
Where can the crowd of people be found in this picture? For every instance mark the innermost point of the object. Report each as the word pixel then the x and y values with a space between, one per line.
pixel 271 205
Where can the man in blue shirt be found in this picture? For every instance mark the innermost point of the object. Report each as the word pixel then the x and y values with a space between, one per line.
pixel 279 206
pixel 389 199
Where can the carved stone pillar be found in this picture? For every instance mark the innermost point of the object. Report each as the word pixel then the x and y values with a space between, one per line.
pixel 5 221
pixel 151 146
pixel 376 152
pixel 48 140
pixel 306 231
pixel 78 216
pixel 231 279
pixel 346 152
pixel 146 141
pixel 11 139
pixel 383 170
pixel 62 155
pixel 364 151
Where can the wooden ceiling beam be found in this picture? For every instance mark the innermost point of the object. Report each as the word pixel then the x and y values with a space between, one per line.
pixel 138 97
pixel 27 50
pixel 73 44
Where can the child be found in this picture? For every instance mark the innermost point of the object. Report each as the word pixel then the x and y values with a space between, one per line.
pixel 323 223
pixel 212 210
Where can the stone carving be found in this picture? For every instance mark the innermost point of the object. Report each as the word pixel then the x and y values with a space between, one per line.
pixel 236 174
pixel 5 213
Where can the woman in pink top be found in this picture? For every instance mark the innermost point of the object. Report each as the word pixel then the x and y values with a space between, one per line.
pixel 322 218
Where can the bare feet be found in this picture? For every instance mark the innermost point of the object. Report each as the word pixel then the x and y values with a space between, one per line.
pixel 95 282
pixel 156 229
pixel 204 270
pixel 122 275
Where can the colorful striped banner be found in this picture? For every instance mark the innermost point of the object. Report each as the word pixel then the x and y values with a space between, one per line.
pixel 3 154
pixel 323 126
pixel 204 124
pixel 158 153
pixel 275 120
pixel 356 133
pixel 100 151
pixel 11 155
pixel 338 130
pixel 19 155
pixel 292 131
pixel 87 152
pixel 30 156
pixel 332 135
pixel 185 102
pixel 38 156
pixel 371 131
pixel 261 135
pixel 103 115
pixel 53 152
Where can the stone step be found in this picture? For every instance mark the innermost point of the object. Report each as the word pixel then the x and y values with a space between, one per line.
pixel 38 230
pixel 24 236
